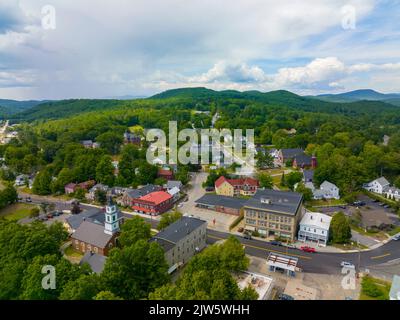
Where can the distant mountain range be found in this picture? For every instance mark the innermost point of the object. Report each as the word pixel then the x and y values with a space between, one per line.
pixel 358 95
pixel 10 107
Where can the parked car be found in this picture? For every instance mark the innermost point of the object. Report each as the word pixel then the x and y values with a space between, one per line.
pixel 50 215
pixel 396 237
pixel 240 229
pixel 291 246
pixel 275 243
pixel 28 199
pixel 375 200
pixel 345 264
pixel 386 206
pixel 342 207
pixel 359 203
pixel 247 236
pixel 209 189
pixel 43 218
pixel 307 249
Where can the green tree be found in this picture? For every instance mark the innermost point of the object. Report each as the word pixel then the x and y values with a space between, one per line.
pixel 340 231
pixel 110 141
pixel 86 287
pixel 105 171
pixel 106 295
pixel 41 184
pixel 134 271
pixel 265 180
pixel 168 218
pixel 133 230
pixel 34 212
pixel 292 178
pixel 100 196
pixel 306 192
pixel 264 159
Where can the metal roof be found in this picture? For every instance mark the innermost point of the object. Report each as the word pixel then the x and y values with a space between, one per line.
pixel 224 201
pixel 274 200
pixel 180 229
pixel 95 261
pixel 92 233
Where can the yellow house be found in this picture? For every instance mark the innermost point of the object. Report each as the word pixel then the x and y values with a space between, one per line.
pixel 223 187
pixel 235 187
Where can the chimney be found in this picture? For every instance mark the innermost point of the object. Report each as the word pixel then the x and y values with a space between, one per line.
pixel 313 162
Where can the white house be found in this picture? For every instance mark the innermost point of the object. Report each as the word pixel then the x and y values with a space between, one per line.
pixel 377 186
pixel 327 190
pixel 21 180
pixel 392 193
pixel 174 192
pixel 314 227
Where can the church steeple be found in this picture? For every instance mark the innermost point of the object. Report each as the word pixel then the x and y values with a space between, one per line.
pixel 111 223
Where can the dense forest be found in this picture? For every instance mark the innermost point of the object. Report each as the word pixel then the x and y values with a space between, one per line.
pixel 347 138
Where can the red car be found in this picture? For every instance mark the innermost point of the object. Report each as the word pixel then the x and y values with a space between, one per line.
pixel 307 249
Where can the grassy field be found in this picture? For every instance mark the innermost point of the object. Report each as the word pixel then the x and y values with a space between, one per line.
pixel 16 211
pixel 72 253
pixel 331 202
pixel 374 289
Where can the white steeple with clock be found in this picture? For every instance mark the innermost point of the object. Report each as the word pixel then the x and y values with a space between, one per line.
pixel 111 223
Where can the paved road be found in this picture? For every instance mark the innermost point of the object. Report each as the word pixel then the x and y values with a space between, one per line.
pixel 318 262
pixel 323 262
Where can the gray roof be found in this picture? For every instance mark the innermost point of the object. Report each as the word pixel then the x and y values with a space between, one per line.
pixel 308 175
pixel 165 244
pixel 179 229
pixel 217 200
pixel 95 261
pixel 303 159
pixel 94 214
pixel 382 181
pixel 274 200
pixel 137 193
pixel 92 233
pixel 174 183
pixel 291 153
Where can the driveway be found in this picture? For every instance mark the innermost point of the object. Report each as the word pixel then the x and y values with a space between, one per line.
pixel 364 240
pixel 216 220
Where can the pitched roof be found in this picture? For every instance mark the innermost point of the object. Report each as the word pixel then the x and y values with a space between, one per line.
pixel 291 153
pixel 92 233
pixel 165 244
pixel 165 172
pixel 328 185
pixel 180 229
pixel 174 183
pixel 95 261
pixel 303 159
pixel 236 182
pixel 137 193
pixel 274 200
pixel 224 201
pixel 308 175
pixel 173 191
pixel 382 181
pixel 316 219
pixel 156 197
pixel 94 214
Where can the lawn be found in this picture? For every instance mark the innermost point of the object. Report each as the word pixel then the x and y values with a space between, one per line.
pixel 72 253
pixel 16 211
pixel 374 289
pixel 394 231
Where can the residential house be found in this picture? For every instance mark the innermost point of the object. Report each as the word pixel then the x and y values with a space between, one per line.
pixel 308 179
pixel 21 180
pixel 99 238
pixel 377 185
pixel 314 227
pixel 174 183
pixel 224 204
pixel 392 193
pixel 165 173
pixel 235 187
pixel 304 161
pixel 92 191
pixel 130 195
pixel 394 293
pixel 153 203
pixel 175 193
pixel 72 187
pixel 274 213
pixel 181 240
pixel 132 138
pixel 327 190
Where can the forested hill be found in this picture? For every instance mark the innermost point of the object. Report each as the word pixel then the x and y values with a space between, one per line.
pixel 65 108
pixel 10 107
pixel 204 99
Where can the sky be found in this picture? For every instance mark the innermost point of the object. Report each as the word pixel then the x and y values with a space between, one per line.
pixel 57 49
